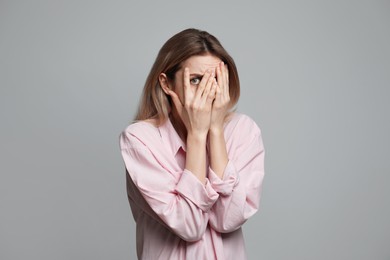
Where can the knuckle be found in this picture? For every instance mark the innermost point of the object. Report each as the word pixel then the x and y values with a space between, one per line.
pixel 194 107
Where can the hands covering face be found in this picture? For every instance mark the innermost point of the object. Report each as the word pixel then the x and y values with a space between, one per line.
pixel 204 107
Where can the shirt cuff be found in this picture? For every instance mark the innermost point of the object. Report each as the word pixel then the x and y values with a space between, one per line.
pixel 203 196
pixel 225 185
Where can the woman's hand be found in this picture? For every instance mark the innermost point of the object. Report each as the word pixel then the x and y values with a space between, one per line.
pixel 222 99
pixel 196 116
pixel 196 110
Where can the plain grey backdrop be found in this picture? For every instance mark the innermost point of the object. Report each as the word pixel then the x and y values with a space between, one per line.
pixel 315 76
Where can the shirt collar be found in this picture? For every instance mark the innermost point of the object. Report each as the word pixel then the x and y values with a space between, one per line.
pixel 170 137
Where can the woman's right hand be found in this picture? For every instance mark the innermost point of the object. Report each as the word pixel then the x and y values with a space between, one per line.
pixel 195 111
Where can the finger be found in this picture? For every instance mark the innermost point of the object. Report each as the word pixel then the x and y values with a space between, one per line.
pixel 226 74
pixel 208 87
pixel 218 91
pixel 202 84
pixel 224 78
pixel 218 96
pixel 213 91
pixel 220 75
pixel 186 83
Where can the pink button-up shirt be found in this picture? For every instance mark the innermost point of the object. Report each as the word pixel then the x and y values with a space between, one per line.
pixel 177 216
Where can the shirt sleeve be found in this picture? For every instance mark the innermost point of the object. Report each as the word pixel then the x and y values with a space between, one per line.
pixel 240 187
pixel 182 203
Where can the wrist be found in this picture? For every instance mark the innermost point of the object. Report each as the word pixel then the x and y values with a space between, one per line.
pixel 216 130
pixel 196 137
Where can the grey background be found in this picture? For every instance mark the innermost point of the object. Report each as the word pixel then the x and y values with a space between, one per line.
pixel 315 76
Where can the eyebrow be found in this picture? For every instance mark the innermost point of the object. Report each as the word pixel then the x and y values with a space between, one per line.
pixel 196 75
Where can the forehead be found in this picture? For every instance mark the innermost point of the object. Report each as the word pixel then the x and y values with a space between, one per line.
pixel 200 63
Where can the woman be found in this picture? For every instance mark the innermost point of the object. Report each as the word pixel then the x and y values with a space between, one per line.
pixel 194 167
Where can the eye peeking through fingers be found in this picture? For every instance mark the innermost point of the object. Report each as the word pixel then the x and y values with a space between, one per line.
pixel 195 80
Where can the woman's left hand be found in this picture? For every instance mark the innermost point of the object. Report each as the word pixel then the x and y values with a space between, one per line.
pixel 220 106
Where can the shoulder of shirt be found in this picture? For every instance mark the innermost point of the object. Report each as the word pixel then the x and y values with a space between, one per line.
pixel 140 131
pixel 242 124
pixel 140 127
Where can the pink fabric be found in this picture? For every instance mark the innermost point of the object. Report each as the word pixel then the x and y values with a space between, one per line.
pixel 177 216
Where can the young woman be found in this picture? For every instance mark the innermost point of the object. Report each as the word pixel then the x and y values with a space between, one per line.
pixel 194 167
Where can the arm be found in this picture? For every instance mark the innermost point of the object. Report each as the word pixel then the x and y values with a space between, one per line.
pixel 218 152
pixel 179 200
pixel 196 155
pixel 240 186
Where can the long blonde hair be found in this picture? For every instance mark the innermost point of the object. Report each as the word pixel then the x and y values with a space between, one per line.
pixel 154 103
